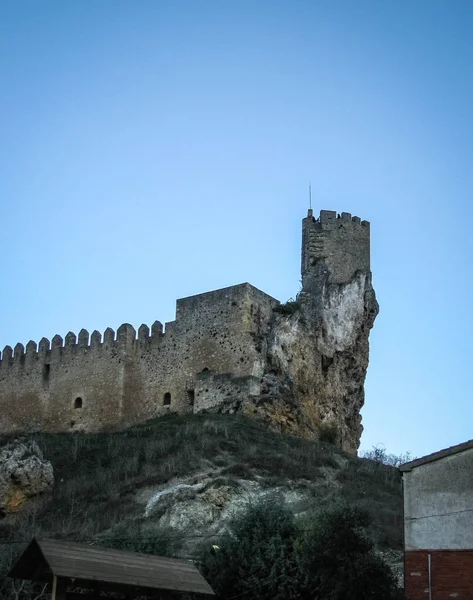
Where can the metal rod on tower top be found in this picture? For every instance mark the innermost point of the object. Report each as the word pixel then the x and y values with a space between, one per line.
pixel 310 196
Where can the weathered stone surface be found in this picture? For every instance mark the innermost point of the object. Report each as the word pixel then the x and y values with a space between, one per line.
pixel 206 505
pixel 300 366
pixel 317 354
pixel 323 351
pixel 23 473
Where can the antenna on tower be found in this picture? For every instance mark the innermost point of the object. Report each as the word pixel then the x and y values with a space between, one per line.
pixel 310 196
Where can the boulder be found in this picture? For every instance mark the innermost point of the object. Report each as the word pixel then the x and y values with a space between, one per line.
pixel 24 473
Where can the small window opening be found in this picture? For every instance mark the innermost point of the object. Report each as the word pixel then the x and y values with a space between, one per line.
pixel 167 399
pixel 78 403
pixel 46 373
pixel 72 424
pixel 326 362
pixel 204 370
pixel 191 397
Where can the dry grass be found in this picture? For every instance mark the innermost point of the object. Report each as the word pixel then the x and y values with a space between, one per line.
pixel 97 474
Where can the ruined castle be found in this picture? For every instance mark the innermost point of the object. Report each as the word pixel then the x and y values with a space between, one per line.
pixel 301 365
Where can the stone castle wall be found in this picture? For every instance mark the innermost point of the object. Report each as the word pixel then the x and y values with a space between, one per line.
pixel 342 241
pixel 227 350
pixel 89 385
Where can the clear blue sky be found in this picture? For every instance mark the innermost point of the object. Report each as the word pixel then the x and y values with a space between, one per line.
pixel 153 150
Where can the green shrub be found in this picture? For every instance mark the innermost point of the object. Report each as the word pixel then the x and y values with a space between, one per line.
pixel 380 455
pixel 138 536
pixel 239 470
pixel 328 433
pixel 378 489
pixel 288 308
pixel 255 560
pixel 339 562
pixel 331 556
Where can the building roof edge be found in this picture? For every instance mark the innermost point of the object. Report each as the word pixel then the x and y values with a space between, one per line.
pixel 418 462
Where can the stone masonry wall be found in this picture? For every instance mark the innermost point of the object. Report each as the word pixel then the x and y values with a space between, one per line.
pixel 227 350
pixel 215 389
pixel 42 388
pixel 115 382
pixel 342 241
pixel 223 331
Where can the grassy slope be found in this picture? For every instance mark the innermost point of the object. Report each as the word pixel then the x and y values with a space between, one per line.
pixel 97 474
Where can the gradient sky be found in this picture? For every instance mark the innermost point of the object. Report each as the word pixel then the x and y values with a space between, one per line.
pixel 152 150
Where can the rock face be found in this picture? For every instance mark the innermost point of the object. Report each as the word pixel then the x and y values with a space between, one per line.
pixel 205 504
pixel 24 473
pixel 323 352
pixel 317 347
pixel 322 349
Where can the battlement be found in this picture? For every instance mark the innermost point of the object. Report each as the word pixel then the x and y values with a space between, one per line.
pixel 125 334
pixel 331 217
pixel 340 240
pixel 86 381
pixel 187 310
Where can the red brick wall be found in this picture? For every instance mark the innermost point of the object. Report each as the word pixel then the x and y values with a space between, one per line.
pixel 451 574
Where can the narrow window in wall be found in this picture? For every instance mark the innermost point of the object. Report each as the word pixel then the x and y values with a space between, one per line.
pixel 167 399
pixel 78 403
pixel 190 397
pixel 46 372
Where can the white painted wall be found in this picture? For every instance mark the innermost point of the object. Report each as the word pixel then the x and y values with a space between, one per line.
pixel 438 504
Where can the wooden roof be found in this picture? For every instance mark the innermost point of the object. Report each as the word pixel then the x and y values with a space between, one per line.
pixel 92 564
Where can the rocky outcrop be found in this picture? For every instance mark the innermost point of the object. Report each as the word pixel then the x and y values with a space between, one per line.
pixel 322 350
pixel 317 346
pixel 24 473
pixel 206 504
pixel 317 358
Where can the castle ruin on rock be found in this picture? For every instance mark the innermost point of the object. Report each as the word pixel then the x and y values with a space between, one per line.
pixel 235 349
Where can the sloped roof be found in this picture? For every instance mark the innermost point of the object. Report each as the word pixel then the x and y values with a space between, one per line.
pixel 436 456
pixel 43 558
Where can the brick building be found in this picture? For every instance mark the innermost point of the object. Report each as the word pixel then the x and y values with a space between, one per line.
pixel 438 525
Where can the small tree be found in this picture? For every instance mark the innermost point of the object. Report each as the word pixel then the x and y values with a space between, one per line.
pixel 256 559
pixel 331 557
pixel 339 561
pixel 380 455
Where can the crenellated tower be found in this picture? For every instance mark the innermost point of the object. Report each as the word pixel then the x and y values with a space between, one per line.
pixel 335 245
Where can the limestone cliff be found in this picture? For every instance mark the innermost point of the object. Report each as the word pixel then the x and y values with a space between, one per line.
pixel 317 347
pixel 323 348
pixel 322 352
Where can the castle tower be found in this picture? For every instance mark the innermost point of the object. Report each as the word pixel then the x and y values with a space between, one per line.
pixel 334 248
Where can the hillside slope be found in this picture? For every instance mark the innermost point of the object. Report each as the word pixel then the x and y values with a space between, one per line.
pixel 172 484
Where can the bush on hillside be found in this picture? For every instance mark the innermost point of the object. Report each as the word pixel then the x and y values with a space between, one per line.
pixel 380 455
pixel 338 559
pixel 256 559
pixel 288 308
pixel 328 433
pixel 331 557
pixel 137 536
